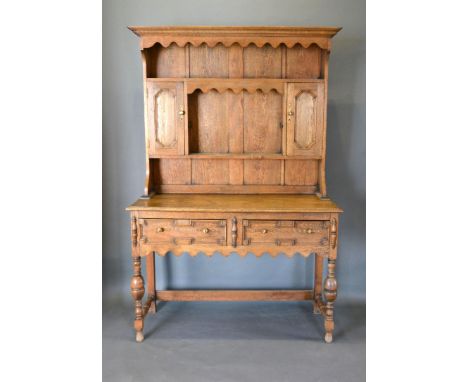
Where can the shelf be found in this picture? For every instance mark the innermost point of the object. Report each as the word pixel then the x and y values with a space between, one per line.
pixel 236 156
pixel 210 79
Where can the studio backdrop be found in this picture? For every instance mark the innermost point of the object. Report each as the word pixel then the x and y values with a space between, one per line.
pixel 123 143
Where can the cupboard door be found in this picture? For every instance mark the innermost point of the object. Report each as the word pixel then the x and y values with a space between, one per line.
pixel 305 119
pixel 166 118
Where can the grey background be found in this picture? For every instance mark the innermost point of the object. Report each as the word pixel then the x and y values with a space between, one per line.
pixel 123 142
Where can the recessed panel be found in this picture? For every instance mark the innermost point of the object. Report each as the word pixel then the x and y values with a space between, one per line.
pixel 306 120
pixel 164 117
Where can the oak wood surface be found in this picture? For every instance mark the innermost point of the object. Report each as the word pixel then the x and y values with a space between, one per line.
pixel 235 132
pixel 234 295
pixel 235 203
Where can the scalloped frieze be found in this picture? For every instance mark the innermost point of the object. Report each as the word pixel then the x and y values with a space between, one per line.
pixel 148 42
pixel 236 86
pixel 226 252
pixel 235 89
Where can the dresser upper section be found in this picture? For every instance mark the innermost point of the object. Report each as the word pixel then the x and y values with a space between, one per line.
pixel 235 109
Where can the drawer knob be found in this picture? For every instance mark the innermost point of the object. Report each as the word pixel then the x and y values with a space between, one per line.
pixel 264 230
pixel 206 230
pixel 160 229
pixel 309 230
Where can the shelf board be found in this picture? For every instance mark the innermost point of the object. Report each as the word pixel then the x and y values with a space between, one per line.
pixel 236 156
pixel 208 80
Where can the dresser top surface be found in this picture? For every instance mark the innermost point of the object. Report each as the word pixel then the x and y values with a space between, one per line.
pixel 326 31
pixel 235 203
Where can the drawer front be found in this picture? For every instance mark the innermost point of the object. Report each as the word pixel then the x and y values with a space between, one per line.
pixel 285 232
pixel 183 231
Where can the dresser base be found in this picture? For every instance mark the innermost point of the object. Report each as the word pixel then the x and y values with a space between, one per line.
pixel 227 224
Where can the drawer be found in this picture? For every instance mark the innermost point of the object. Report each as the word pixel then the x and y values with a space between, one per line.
pixel 183 231
pixel 285 232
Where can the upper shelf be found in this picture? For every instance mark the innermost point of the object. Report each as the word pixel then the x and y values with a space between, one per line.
pixel 236 85
pixel 197 35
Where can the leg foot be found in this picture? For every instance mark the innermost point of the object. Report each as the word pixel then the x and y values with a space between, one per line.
pixel 330 292
pixel 139 337
pixel 316 308
pixel 152 308
pixel 137 287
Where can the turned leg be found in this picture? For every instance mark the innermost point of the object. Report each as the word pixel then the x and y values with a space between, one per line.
pixel 318 282
pixel 151 280
pixel 329 292
pixel 137 287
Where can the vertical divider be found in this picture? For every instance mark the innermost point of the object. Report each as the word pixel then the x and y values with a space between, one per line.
pixel 322 183
pixel 283 60
pixel 236 108
pixel 285 125
pixel 187 60
pixel 186 119
pixel 283 164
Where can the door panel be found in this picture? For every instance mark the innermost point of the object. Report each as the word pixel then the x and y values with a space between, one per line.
pixel 166 117
pixel 305 119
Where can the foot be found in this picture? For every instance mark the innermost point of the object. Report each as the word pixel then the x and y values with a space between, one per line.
pixel 316 309
pixel 139 337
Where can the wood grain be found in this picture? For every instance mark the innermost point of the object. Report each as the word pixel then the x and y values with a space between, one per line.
pixel 166 62
pixel 262 172
pixel 210 171
pixel 235 203
pixel 301 172
pixel 303 62
pixel 209 62
pixel 172 171
pixel 235 131
pixel 234 295
pixel 263 114
pixel 264 62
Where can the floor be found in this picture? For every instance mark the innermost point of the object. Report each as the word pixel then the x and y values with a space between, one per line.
pixel 234 341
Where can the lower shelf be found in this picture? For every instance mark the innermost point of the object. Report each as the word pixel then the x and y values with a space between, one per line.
pixel 234 295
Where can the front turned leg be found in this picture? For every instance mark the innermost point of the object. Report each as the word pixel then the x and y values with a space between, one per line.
pixel 330 292
pixel 137 287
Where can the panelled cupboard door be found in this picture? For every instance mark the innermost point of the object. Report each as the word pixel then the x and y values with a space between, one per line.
pixel 166 117
pixel 305 118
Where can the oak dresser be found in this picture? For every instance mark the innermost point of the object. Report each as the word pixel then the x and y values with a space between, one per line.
pixel 235 127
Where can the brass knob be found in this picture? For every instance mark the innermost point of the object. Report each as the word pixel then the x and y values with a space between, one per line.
pixel 160 229
pixel 290 113
pixel 206 230
pixel 309 230
pixel 181 112
pixel 264 230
